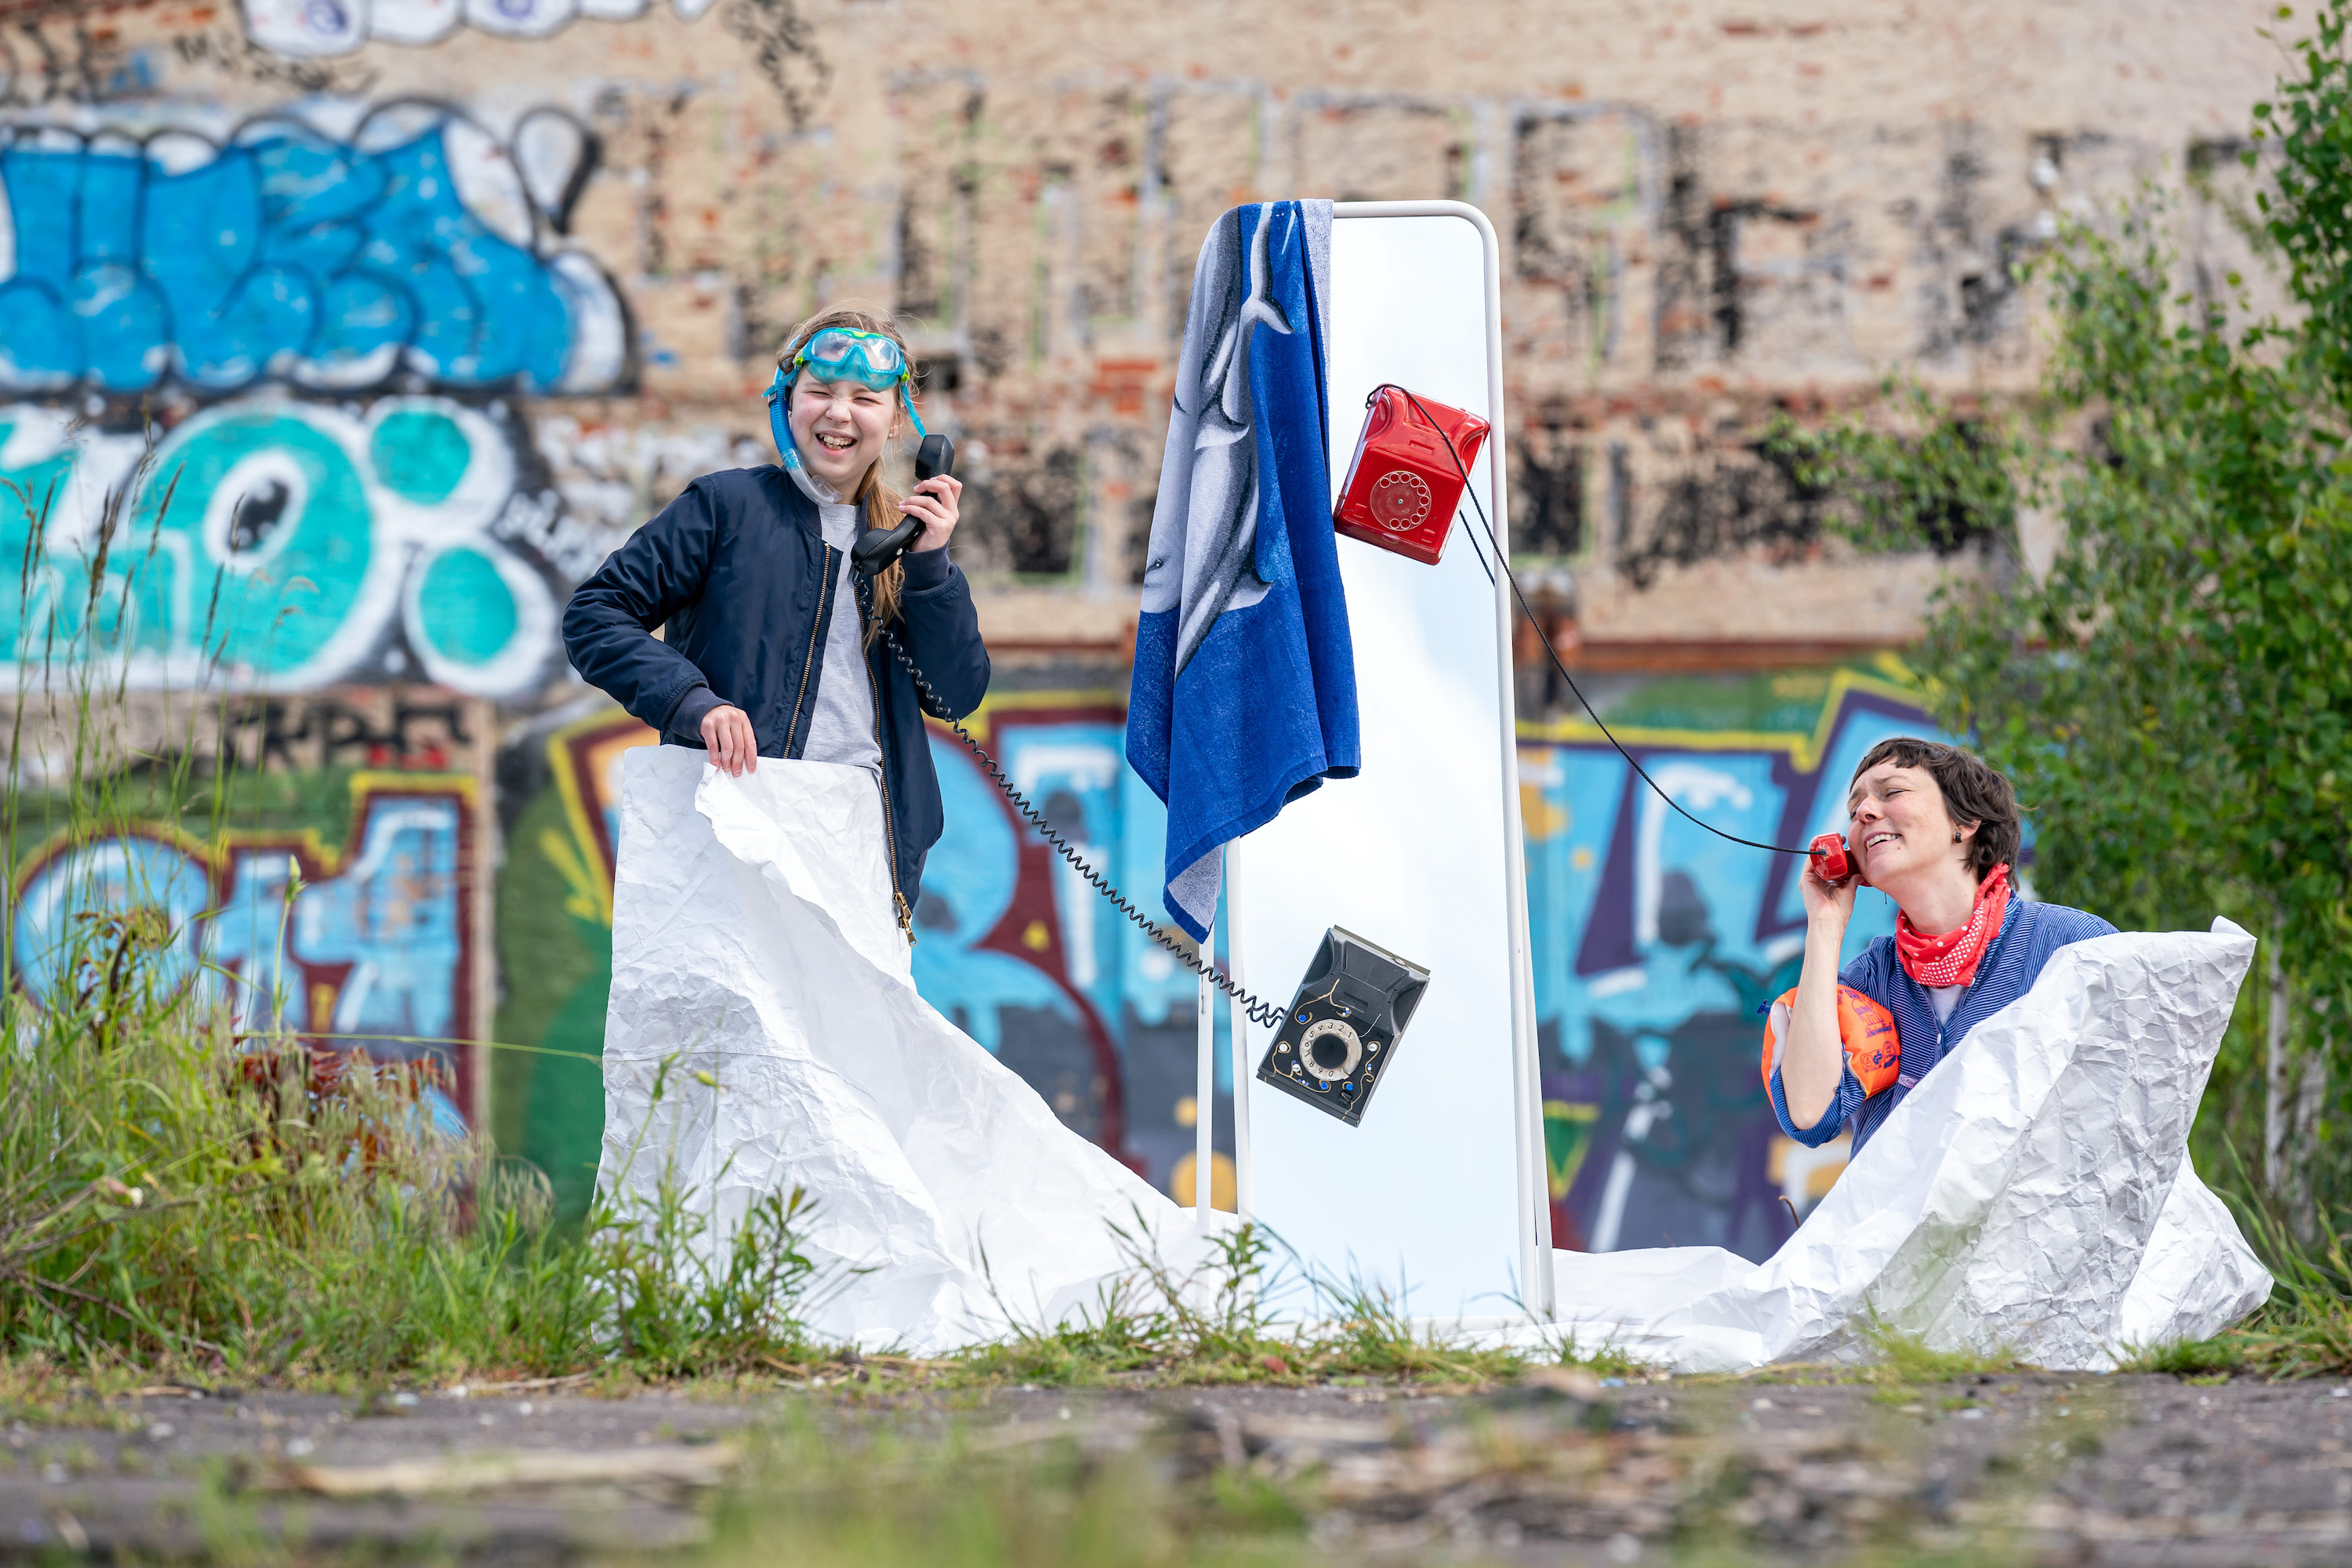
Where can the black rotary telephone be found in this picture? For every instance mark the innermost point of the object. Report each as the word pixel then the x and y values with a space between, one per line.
pixel 880 546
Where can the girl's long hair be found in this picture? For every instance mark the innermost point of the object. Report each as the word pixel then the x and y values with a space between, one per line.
pixel 873 492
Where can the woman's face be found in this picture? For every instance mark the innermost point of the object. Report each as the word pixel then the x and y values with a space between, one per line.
pixel 1899 824
pixel 840 427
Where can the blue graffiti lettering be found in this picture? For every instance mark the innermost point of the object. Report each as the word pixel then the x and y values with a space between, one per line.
pixel 314 27
pixel 418 245
pixel 50 928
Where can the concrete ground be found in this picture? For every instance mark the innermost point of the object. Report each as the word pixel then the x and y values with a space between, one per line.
pixel 2035 1468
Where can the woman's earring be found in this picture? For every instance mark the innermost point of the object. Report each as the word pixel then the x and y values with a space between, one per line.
pixel 1956 839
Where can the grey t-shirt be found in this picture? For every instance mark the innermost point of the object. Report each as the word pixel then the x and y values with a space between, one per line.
pixel 841 726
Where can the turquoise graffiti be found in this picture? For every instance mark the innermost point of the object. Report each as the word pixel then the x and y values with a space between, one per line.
pixel 375 949
pixel 1656 942
pixel 411 244
pixel 271 541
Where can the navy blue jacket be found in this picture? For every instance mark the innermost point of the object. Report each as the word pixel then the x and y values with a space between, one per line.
pixel 738 575
pixel 2028 934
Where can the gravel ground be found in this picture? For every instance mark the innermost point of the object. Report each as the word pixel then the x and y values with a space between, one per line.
pixel 2036 1467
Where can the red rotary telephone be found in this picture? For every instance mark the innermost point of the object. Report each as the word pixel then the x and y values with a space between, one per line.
pixel 1833 862
pixel 1402 485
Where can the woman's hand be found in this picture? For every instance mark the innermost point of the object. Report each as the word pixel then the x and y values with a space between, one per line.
pixel 934 501
pixel 1829 902
pixel 727 731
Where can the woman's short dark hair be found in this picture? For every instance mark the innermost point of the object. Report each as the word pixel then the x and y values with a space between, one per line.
pixel 1974 791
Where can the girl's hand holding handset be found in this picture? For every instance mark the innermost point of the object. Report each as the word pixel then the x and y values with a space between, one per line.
pixel 933 501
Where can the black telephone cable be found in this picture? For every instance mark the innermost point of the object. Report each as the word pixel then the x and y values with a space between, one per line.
pixel 1263 1014
pixel 1527 610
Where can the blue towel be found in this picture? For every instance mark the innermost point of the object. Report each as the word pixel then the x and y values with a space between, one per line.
pixel 1244 689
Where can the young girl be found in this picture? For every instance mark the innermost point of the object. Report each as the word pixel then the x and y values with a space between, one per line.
pixel 764 1039
pixel 771 644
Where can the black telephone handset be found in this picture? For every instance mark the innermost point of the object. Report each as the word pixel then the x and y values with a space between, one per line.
pixel 881 546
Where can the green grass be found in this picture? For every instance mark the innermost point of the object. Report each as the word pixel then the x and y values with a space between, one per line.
pixel 1211 1326
pixel 179 1199
pixel 1905 1359
pixel 2193 1360
pixel 2306 1329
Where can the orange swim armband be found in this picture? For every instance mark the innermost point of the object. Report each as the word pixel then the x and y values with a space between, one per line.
pixel 1865 1028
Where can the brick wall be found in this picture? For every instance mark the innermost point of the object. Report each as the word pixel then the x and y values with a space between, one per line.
pixel 1709 211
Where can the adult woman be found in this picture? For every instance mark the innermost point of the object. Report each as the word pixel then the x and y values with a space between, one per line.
pixel 771 645
pixel 1937 830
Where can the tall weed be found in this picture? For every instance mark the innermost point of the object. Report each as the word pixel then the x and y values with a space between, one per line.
pixel 186 1181
pixel 187 1197
pixel 2305 1329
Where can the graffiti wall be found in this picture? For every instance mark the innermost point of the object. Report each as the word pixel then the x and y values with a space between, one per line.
pixel 1655 942
pixel 1011 944
pixel 607 214
pixel 270 540
pixel 341 901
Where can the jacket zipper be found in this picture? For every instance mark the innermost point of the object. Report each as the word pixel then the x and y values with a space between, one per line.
pixel 808 660
pixel 882 778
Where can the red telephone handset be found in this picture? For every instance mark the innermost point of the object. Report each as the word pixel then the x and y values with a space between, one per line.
pixel 1835 863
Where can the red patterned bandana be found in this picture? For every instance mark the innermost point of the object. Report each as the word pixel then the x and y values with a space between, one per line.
pixel 1952 958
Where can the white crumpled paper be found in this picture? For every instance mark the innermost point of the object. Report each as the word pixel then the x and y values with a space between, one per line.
pixel 2034 1193
pixel 753 939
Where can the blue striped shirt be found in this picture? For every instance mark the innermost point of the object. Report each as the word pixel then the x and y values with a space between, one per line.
pixel 2030 933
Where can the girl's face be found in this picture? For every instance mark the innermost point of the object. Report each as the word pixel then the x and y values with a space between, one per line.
pixel 1900 824
pixel 840 427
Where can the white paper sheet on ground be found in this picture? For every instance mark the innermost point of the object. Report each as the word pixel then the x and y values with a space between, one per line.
pixel 753 939
pixel 2032 1193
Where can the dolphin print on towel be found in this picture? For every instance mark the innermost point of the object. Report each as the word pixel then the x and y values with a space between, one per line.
pixel 1244 687
pixel 1212 565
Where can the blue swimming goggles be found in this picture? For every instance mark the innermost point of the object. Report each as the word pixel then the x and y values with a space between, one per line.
pixel 840 353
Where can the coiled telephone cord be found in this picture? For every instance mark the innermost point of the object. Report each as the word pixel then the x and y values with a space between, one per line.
pixel 1263 1014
